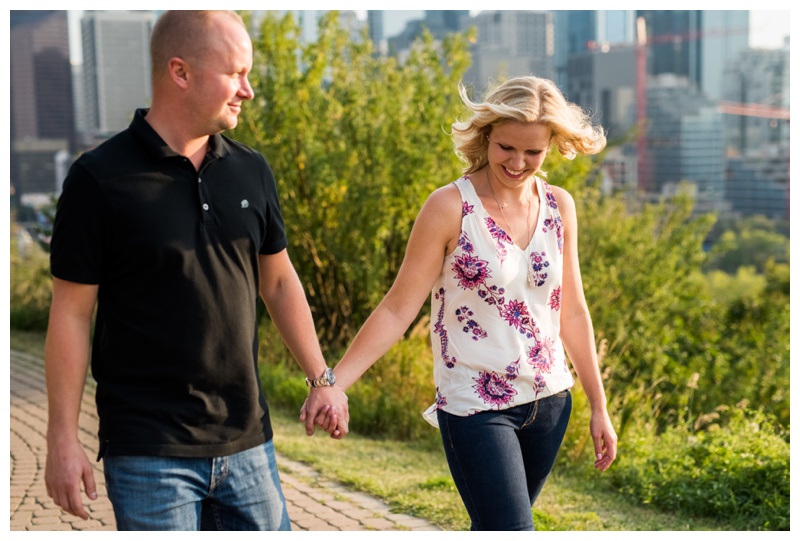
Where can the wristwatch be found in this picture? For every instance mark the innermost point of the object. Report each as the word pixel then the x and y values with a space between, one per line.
pixel 327 379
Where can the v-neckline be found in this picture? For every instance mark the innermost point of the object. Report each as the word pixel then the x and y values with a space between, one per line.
pixel 497 225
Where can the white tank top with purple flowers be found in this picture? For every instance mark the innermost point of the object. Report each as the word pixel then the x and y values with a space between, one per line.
pixel 495 313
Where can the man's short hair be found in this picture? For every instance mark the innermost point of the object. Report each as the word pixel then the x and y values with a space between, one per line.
pixel 181 33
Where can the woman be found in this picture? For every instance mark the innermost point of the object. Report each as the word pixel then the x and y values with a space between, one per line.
pixel 497 251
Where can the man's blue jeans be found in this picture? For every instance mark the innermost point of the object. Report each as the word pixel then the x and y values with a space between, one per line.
pixel 500 460
pixel 237 492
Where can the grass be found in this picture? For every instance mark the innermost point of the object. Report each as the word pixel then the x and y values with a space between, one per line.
pixel 31 342
pixel 414 479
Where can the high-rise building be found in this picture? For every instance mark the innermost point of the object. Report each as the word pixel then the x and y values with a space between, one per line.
pixel 578 31
pixel 446 20
pixel 42 118
pixel 604 83
pixel 309 20
pixel 375 26
pixel 757 79
pixel 512 43
pixel 584 29
pixel 696 44
pixel 685 142
pixel 758 182
pixel 438 22
pixel 394 21
pixel 116 68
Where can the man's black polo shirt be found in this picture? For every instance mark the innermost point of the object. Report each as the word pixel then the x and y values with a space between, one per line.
pixel 175 254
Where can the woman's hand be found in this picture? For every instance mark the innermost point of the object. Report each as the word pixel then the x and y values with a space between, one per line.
pixel 328 418
pixel 605 440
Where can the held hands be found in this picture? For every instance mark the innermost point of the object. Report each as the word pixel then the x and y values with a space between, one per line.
pixel 605 440
pixel 67 467
pixel 326 407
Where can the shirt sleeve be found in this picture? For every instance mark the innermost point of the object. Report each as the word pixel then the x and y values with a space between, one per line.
pixel 275 237
pixel 77 246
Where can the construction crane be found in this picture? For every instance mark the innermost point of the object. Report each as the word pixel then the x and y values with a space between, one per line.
pixel 753 109
pixel 642 45
pixel 643 161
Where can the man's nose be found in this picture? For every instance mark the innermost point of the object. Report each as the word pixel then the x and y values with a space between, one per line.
pixel 245 90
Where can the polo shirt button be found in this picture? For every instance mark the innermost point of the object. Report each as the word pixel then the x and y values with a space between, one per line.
pixel 199 179
pixel 205 206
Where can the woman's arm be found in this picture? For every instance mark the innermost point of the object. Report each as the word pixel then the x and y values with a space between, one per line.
pixel 577 334
pixel 434 235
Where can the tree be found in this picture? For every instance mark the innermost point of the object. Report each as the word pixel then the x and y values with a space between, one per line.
pixel 752 241
pixel 357 142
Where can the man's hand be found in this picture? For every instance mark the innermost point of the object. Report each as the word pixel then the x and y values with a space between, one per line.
pixel 326 407
pixel 67 467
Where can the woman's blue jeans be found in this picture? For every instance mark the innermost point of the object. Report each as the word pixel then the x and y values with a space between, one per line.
pixel 500 460
pixel 237 492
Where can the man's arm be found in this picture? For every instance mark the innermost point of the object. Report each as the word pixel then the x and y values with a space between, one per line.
pixel 286 302
pixel 66 355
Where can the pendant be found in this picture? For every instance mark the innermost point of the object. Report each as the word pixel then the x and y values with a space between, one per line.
pixel 529 268
pixel 531 279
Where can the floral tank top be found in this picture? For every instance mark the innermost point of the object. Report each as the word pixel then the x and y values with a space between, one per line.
pixel 495 313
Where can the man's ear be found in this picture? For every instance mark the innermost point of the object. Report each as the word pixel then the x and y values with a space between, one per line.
pixel 178 71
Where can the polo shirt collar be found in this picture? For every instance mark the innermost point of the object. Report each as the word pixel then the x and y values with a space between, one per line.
pixel 218 146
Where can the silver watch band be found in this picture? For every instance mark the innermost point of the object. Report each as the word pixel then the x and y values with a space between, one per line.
pixel 326 380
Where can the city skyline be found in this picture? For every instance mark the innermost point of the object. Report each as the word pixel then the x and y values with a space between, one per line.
pixel 607 84
pixel 768 28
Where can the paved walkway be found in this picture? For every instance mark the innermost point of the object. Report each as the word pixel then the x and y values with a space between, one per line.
pixel 314 503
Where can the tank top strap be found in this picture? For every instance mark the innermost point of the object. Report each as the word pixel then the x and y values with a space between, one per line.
pixel 550 215
pixel 548 197
pixel 468 194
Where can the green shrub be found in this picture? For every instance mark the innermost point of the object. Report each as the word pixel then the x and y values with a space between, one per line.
pixel 387 401
pixel 357 142
pixel 282 380
pixel 30 288
pixel 390 398
pixel 739 471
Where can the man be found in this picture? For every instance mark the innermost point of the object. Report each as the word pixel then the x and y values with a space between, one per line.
pixel 173 230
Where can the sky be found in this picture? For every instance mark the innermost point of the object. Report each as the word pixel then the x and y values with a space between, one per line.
pixel 768 28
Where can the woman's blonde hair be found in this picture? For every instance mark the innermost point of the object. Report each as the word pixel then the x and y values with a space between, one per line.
pixel 524 99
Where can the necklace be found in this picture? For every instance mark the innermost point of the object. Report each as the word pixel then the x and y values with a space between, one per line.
pixel 503 212
pixel 528 263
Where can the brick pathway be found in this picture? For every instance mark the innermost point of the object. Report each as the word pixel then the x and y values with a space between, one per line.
pixel 314 503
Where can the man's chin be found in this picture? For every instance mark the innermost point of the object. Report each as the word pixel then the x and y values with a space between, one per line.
pixel 227 124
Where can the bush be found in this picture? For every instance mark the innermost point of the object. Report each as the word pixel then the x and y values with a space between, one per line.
pixel 357 143
pixel 387 402
pixel 390 401
pixel 739 471
pixel 31 282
